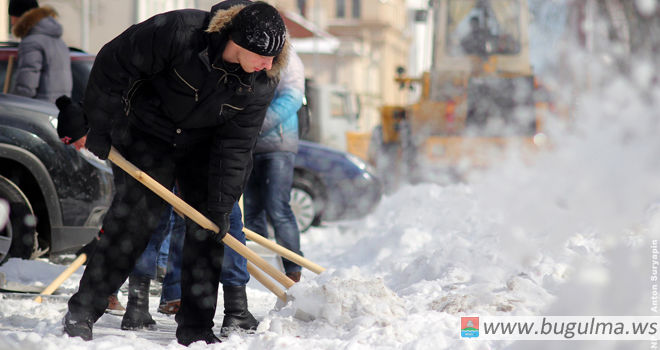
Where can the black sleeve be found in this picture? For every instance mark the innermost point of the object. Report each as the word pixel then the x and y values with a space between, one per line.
pixel 231 154
pixel 141 51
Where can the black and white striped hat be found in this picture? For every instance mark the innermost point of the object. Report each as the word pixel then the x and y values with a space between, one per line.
pixel 259 28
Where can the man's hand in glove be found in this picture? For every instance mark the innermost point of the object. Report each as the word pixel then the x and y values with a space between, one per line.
pixel 222 220
pixel 88 248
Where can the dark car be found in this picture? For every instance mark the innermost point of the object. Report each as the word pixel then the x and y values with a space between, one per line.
pixel 331 185
pixel 57 196
pixel 69 192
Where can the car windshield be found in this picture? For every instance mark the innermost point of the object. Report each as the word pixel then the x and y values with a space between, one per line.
pixel 80 70
pixel 483 27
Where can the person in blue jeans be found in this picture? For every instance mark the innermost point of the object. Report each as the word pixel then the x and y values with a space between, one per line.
pixel 268 191
pixel 234 276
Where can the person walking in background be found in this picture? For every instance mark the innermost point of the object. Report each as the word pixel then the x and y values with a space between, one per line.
pixel 268 192
pixel 43 70
pixel 182 96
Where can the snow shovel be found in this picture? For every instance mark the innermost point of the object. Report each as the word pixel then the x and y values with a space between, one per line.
pixel 187 210
pixel 265 242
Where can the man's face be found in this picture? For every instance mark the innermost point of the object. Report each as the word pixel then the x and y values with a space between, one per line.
pixel 252 62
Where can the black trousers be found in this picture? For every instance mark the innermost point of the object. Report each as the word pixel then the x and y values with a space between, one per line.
pixel 133 216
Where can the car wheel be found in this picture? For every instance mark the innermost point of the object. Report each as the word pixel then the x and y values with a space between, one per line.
pixel 304 203
pixel 18 237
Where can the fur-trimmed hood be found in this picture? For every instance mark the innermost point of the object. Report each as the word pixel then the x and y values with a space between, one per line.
pixel 220 21
pixel 31 18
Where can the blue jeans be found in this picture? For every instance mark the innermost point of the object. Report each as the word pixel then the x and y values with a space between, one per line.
pixel 169 234
pixel 171 288
pixel 267 195
pixel 234 266
pixel 171 227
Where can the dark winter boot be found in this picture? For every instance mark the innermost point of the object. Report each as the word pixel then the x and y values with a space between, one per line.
pixel 77 328
pixel 237 315
pixel 137 309
pixel 189 336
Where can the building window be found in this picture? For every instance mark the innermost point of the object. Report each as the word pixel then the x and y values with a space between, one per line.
pixel 356 8
pixel 340 9
pixel 302 7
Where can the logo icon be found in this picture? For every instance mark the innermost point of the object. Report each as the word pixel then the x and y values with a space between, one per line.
pixel 469 327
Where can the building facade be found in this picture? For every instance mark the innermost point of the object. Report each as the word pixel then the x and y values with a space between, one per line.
pixel 355 44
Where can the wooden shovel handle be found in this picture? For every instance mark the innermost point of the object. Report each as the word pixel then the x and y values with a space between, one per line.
pixel 187 210
pixel 265 281
pixel 267 243
pixel 63 276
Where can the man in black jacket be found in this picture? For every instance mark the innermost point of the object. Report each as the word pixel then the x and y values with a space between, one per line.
pixel 182 96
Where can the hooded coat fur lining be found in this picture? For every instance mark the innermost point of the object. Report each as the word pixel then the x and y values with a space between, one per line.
pixel 30 18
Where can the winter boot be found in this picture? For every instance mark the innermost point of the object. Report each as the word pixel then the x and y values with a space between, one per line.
pixel 77 328
pixel 170 307
pixel 237 315
pixel 114 306
pixel 189 336
pixel 294 276
pixel 137 309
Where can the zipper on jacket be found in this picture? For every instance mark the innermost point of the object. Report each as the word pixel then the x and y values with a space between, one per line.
pixel 129 95
pixel 188 84
pixel 222 107
pixel 226 74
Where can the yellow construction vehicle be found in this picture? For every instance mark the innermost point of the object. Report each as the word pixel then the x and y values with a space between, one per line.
pixel 479 98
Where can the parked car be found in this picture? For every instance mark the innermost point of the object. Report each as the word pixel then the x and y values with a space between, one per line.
pixel 68 192
pixel 58 196
pixel 331 185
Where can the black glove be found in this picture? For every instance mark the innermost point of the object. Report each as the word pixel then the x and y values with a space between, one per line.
pixel 222 220
pixel 99 144
pixel 88 249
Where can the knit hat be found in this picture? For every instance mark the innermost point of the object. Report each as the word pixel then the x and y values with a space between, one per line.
pixel 71 122
pixel 259 28
pixel 18 7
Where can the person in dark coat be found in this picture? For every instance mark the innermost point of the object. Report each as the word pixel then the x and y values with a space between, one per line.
pixel 44 67
pixel 182 96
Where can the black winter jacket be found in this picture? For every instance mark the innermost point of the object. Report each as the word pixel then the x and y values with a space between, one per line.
pixel 166 77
